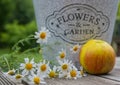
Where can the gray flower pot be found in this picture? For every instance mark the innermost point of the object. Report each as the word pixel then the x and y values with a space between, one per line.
pixel 74 22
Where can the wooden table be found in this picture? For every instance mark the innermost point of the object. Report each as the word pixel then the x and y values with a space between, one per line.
pixel 113 78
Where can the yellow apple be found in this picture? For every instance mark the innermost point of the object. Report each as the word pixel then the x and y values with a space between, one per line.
pixel 97 57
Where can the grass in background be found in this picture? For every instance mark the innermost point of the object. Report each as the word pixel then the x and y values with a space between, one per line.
pixel 14 60
pixel 24 48
pixel 3 51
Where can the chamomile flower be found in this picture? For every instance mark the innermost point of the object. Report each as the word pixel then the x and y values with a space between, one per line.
pixel 28 67
pixel 18 76
pixel 75 48
pixel 43 68
pixel 42 35
pixel 11 72
pixel 52 72
pixel 82 73
pixel 65 66
pixel 74 73
pixel 62 55
pixel 36 80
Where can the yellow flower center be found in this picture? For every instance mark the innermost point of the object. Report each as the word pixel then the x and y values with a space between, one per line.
pixel 73 73
pixel 43 67
pixel 64 66
pixel 36 80
pixel 75 48
pixel 11 72
pixel 18 76
pixel 52 74
pixel 43 35
pixel 62 55
pixel 28 66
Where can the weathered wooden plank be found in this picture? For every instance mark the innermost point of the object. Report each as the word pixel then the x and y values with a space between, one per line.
pixel 4 80
pixel 89 80
pixel 113 75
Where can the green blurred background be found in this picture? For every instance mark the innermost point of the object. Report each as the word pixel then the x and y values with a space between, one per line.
pixel 17 20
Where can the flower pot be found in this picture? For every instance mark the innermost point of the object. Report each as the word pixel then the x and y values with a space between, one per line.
pixel 74 22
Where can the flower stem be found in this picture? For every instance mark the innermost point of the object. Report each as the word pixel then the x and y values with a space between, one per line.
pixel 7 62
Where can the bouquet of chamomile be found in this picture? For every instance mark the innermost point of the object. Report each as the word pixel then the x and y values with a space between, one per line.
pixel 36 72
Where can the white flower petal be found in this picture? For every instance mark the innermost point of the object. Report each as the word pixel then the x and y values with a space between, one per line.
pixel 26 60
pixel 60 62
pixel 37 33
pixel 54 68
pixel 32 73
pixel 22 67
pixel 43 61
pixel 38 41
pixel 61 75
pixel 24 72
pixel 32 61
pixel 42 82
pixel 22 64
pixel 36 36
